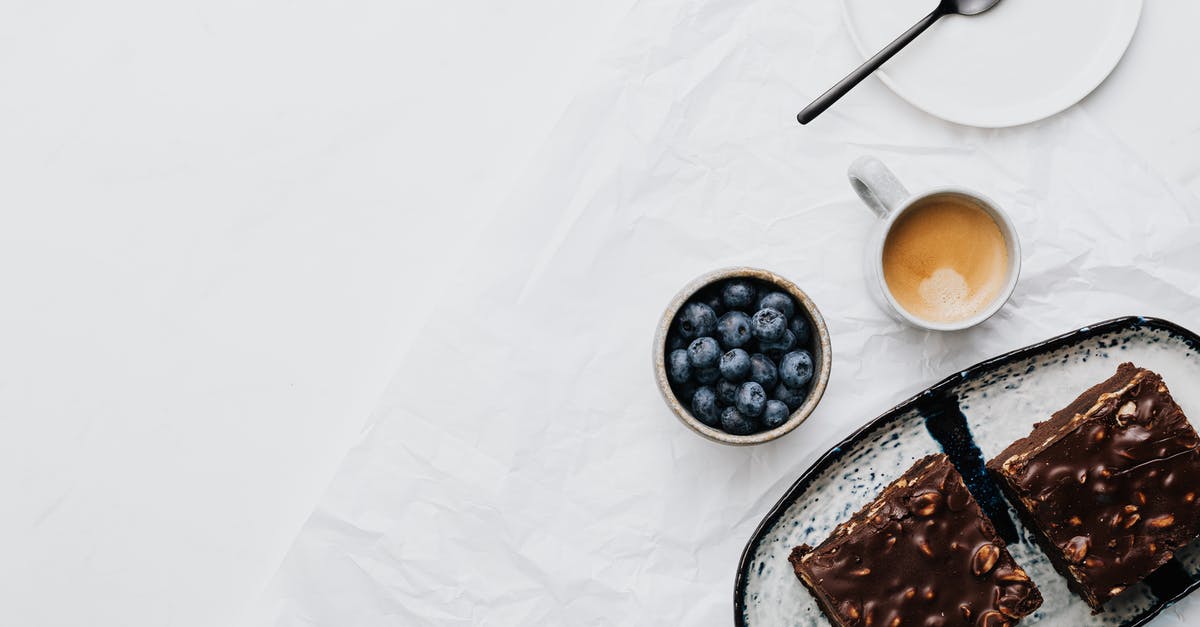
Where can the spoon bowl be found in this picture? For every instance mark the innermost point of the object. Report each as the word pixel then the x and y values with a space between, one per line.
pixel 968 7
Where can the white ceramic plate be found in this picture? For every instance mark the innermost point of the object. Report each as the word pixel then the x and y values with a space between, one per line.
pixel 1020 62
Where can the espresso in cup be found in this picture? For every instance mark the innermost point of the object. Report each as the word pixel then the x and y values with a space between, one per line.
pixel 942 260
pixel 945 259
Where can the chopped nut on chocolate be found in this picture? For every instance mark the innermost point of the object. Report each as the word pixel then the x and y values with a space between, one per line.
pixel 1161 522
pixel 926 504
pixel 984 559
pixel 850 610
pixel 1077 548
pixel 1015 575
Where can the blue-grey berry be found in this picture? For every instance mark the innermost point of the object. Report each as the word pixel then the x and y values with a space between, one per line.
pixel 704 407
pixel 775 414
pixel 779 302
pixel 696 320
pixel 727 391
pixel 763 371
pixel 733 329
pixel 679 367
pixel 704 352
pixel 736 423
pixel 796 368
pixel 799 325
pixel 751 399
pixel 735 365
pixel 768 325
pixel 739 294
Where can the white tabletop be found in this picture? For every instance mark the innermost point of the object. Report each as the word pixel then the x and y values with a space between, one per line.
pixel 226 226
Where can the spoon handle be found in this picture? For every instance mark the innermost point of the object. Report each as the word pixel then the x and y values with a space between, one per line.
pixel 835 93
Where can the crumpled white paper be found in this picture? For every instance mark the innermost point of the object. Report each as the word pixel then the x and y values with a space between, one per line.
pixel 522 468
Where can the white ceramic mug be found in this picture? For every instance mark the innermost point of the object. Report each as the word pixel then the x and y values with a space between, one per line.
pixel 887 197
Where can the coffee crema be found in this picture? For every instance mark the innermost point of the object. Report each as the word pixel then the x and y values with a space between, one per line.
pixel 945 260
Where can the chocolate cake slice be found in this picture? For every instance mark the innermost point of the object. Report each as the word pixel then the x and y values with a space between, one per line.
pixel 922 553
pixel 1108 484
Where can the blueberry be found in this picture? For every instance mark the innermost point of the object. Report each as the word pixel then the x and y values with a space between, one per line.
pixel 704 353
pixel 733 329
pixel 796 369
pixel 738 294
pixel 751 399
pixel 777 349
pixel 727 392
pixel 707 376
pixel 775 414
pixel 763 371
pixel 768 325
pixel 696 320
pixel 791 397
pixel 799 326
pixel 735 365
pixel 679 369
pixel 779 302
pixel 704 407
pixel 736 423
pixel 674 343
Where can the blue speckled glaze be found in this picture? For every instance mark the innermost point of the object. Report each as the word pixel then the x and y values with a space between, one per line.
pixel 972 416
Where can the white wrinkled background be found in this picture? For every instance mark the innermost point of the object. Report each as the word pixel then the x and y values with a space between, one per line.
pixel 521 468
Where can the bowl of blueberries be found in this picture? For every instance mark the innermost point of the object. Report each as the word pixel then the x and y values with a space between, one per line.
pixel 742 356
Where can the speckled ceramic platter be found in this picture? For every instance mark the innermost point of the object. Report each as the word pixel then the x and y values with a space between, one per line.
pixel 972 416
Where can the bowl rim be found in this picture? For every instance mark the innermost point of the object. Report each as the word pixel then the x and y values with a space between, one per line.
pixel 821 348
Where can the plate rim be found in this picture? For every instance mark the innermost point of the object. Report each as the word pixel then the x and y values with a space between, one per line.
pixel 1118 53
pixel 827 458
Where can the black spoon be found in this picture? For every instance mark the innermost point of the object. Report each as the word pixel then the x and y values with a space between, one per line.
pixel 944 8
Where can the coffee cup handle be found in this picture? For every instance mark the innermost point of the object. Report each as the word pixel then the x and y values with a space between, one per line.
pixel 876 185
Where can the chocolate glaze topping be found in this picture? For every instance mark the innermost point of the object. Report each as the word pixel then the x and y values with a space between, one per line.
pixel 921 554
pixel 1110 484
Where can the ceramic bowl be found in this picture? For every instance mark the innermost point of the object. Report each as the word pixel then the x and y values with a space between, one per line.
pixel 822 357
